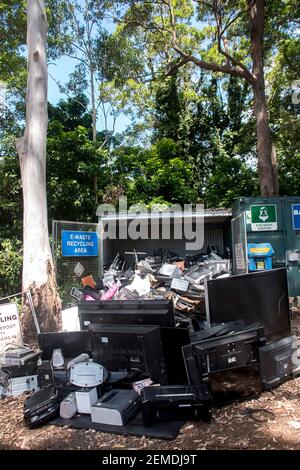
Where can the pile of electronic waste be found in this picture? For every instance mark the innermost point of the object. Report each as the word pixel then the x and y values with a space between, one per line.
pixel 81 386
pixel 160 276
pixel 162 372
pixel 121 370
pixel 138 357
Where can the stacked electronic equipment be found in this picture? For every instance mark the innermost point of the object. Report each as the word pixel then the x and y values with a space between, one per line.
pixel 18 370
pixel 162 275
pixel 122 354
pixel 137 355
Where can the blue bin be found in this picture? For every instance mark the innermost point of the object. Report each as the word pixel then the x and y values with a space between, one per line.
pixel 260 256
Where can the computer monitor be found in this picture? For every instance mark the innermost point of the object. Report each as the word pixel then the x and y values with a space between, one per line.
pixel 255 297
pixel 72 343
pixel 132 348
pixel 173 339
pixel 126 312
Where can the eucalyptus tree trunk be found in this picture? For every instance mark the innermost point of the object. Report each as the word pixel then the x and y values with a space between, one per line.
pixel 267 161
pixel 38 268
pixel 94 125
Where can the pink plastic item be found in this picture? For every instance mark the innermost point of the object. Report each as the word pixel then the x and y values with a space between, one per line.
pixel 88 297
pixel 108 295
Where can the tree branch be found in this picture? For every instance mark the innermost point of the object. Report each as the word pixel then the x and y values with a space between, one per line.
pixel 211 66
pixel 229 23
pixel 77 25
pixel 64 91
pixel 80 59
pixel 236 70
pixel 220 31
pixel 77 47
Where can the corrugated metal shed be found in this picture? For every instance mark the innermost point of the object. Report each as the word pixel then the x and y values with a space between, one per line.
pixel 207 213
pixel 216 229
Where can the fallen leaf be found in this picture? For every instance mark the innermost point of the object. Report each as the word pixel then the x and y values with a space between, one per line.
pixel 294 424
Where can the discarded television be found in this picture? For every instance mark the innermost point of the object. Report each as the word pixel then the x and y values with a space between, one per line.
pixel 132 348
pixel 217 354
pixel 278 361
pixel 255 297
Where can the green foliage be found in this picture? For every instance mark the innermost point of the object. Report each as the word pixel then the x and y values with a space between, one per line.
pixel 211 135
pixel 10 263
pixel 73 161
pixel 168 109
pixel 179 34
pixel 117 58
pixel 284 112
pixel 10 193
pixel 158 173
pixel 12 38
pixel 192 136
pixel 103 62
pixel 72 112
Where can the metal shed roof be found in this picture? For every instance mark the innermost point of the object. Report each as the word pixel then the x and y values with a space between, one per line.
pixel 218 215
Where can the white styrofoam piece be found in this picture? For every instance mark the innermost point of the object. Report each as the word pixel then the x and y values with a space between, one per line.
pixel 70 320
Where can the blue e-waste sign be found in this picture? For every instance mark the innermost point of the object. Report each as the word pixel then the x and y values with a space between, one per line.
pixel 296 216
pixel 79 243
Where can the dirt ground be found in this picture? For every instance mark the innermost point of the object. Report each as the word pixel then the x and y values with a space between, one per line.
pixel 270 421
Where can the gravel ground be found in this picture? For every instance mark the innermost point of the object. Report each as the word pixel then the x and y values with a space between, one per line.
pixel 232 427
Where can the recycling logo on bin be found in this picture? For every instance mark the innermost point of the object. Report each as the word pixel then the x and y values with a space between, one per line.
pixel 263 217
pixel 263 214
pixel 296 216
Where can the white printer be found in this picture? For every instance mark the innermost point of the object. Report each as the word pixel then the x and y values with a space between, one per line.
pixel 116 407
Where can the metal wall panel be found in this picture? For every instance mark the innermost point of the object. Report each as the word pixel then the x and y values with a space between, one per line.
pixel 213 234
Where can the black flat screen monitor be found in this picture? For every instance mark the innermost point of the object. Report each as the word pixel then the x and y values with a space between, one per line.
pixel 255 297
pixel 173 339
pixel 134 348
pixel 72 343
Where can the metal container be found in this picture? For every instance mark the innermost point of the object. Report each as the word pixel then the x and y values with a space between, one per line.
pixel 275 220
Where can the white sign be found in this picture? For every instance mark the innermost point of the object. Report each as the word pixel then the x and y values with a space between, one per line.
pixel 10 328
pixel 263 217
pixel 240 260
pixel 248 217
